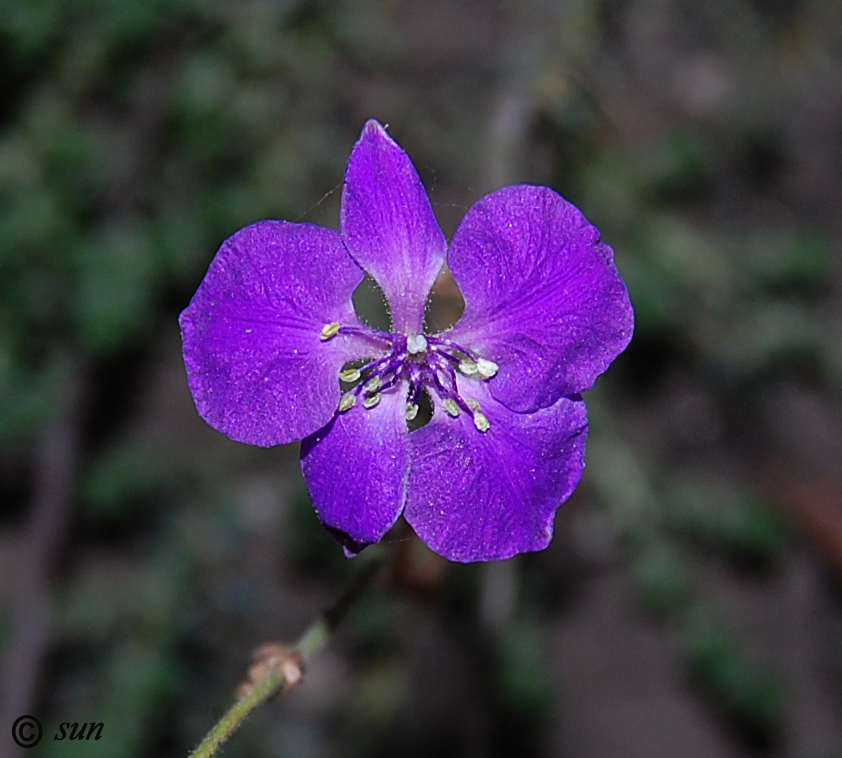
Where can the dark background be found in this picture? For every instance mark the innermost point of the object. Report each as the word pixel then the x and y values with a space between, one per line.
pixel 690 603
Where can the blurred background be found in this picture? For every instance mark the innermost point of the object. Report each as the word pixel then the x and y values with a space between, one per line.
pixel 690 603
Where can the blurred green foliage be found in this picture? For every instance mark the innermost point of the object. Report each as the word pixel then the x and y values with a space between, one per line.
pixel 135 138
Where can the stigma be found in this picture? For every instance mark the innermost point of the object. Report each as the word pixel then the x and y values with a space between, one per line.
pixel 418 362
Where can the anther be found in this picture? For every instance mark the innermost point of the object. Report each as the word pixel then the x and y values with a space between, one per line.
pixel 349 375
pixel 411 411
pixel 481 421
pixel 329 330
pixel 472 404
pixel 373 384
pixel 486 369
pixel 452 407
pixel 468 367
pixel 416 343
pixel 371 400
pixel 347 402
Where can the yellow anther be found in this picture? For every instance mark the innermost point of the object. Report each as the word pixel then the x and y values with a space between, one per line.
pixel 347 401
pixel 373 384
pixel 349 375
pixel 468 367
pixel 411 411
pixel 486 369
pixel 481 421
pixel 452 407
pixel 372 400
pixel 472 404
pixel 329 330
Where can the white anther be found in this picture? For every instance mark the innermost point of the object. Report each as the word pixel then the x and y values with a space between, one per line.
pixel 468 367
pixel 416 343
pixel 481 421
pixel 329 330
pixel 373 384
pixel 472 404
pixel 411 411
pixel 347 402
pixel 486 369
pixel 372 400
pixel 349 375
pixel 452 407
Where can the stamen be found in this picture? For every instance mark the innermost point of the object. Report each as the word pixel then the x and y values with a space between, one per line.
pixel 416 344
pixel 329 330
pixel 417 363
pixel 349 375
pixel 486 369
pixel 373 384
pixel 468 367
pixel 452 407
pixel 481 421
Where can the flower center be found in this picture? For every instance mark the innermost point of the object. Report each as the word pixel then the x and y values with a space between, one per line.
pixel 423 361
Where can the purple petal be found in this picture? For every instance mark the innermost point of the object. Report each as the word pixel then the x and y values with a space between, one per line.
pixel 388 225
pixel 257 367
pixel 543 298
pixel 478 496
pixel 356 470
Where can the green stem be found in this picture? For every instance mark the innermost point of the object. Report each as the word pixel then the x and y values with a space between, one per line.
pixel 315 637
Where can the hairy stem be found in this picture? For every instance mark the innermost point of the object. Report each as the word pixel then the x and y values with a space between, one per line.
pixel 280 667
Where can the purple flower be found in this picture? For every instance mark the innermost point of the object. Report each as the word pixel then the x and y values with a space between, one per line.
pixel 271 338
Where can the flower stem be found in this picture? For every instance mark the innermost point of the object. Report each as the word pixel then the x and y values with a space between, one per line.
pixel 282 667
